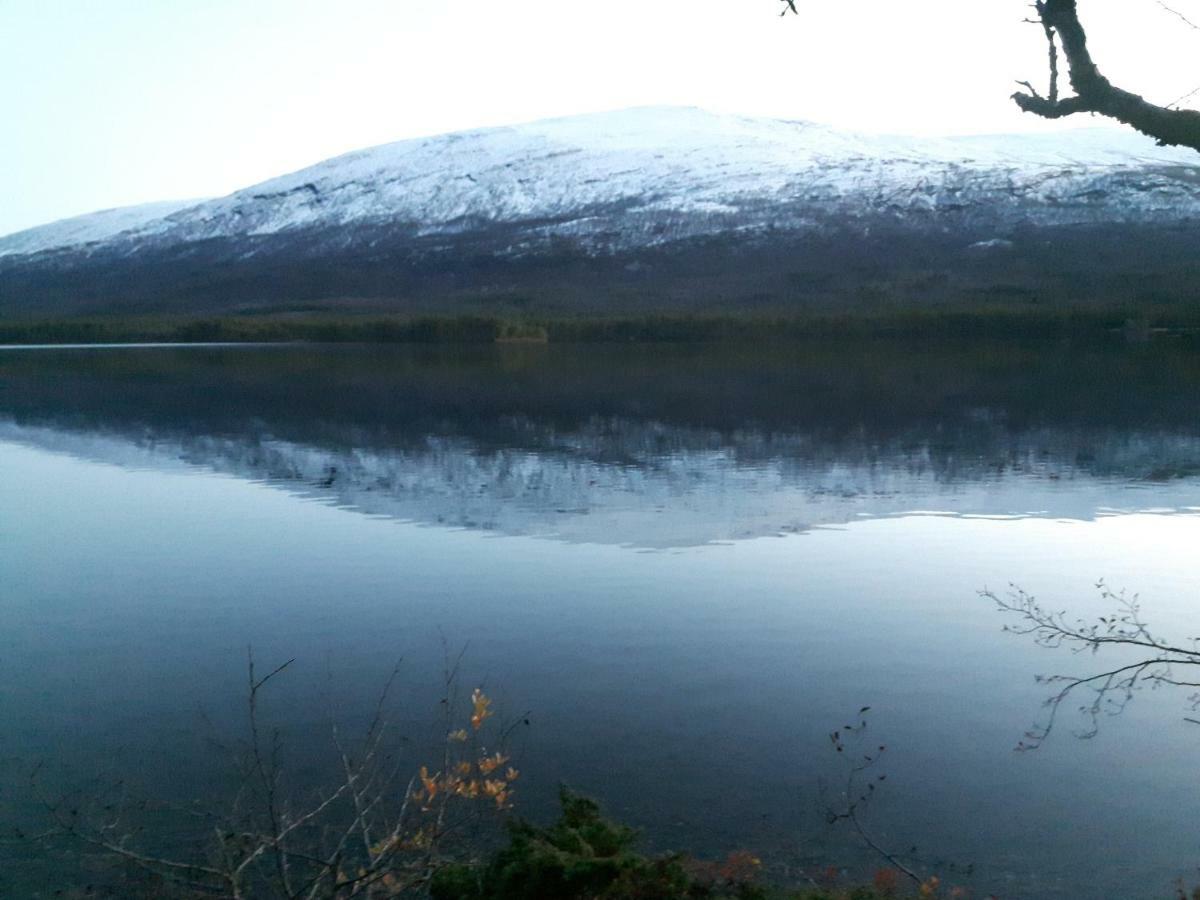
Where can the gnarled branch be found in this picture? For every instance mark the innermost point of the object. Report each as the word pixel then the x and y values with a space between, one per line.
pixel 1096 94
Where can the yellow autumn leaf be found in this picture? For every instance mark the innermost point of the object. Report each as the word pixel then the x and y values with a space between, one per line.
pixel 480 703
pixel 489 764
pixel 430 782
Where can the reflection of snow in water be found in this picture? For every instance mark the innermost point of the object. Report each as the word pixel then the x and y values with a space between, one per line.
pixel 649 485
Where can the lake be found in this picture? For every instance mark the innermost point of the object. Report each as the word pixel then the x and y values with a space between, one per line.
pixel 684 565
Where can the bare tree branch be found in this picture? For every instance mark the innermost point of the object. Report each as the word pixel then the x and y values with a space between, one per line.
pixel 855 795
pixel 1183 99
pixel 1112 689
pixel 1096 94
pixel 1179 15
pixel 369 834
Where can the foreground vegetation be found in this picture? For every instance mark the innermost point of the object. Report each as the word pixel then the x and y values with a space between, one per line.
pixel 981 321
pixel 382 830
pixel 584 855
pixel 371 835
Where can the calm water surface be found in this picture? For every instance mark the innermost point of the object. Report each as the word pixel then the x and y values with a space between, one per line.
pixel 688 564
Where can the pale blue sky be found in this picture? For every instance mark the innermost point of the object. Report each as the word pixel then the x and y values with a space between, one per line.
pixel 112 102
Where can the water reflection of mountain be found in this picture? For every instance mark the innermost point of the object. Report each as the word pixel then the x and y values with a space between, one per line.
pixel 667 448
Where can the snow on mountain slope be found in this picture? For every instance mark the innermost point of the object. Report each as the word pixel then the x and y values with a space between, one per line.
pixel 651 175
pixel 657 163
pixel 89 228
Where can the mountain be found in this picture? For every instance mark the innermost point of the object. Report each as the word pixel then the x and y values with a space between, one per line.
pixel 655 207
pixel 92 228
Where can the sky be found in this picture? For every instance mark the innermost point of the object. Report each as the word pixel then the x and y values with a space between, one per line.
pixel 113 102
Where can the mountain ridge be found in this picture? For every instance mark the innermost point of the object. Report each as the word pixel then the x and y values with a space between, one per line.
pixel 479 209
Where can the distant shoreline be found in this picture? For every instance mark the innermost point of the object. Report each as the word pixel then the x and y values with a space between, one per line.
pixel 1005 323
pixel 141 345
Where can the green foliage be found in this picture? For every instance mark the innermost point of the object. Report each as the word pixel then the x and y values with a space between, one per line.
pixel 581 855
pixel 584 856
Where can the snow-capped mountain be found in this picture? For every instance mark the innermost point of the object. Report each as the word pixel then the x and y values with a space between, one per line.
pixel 91 228
pixel 599 187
